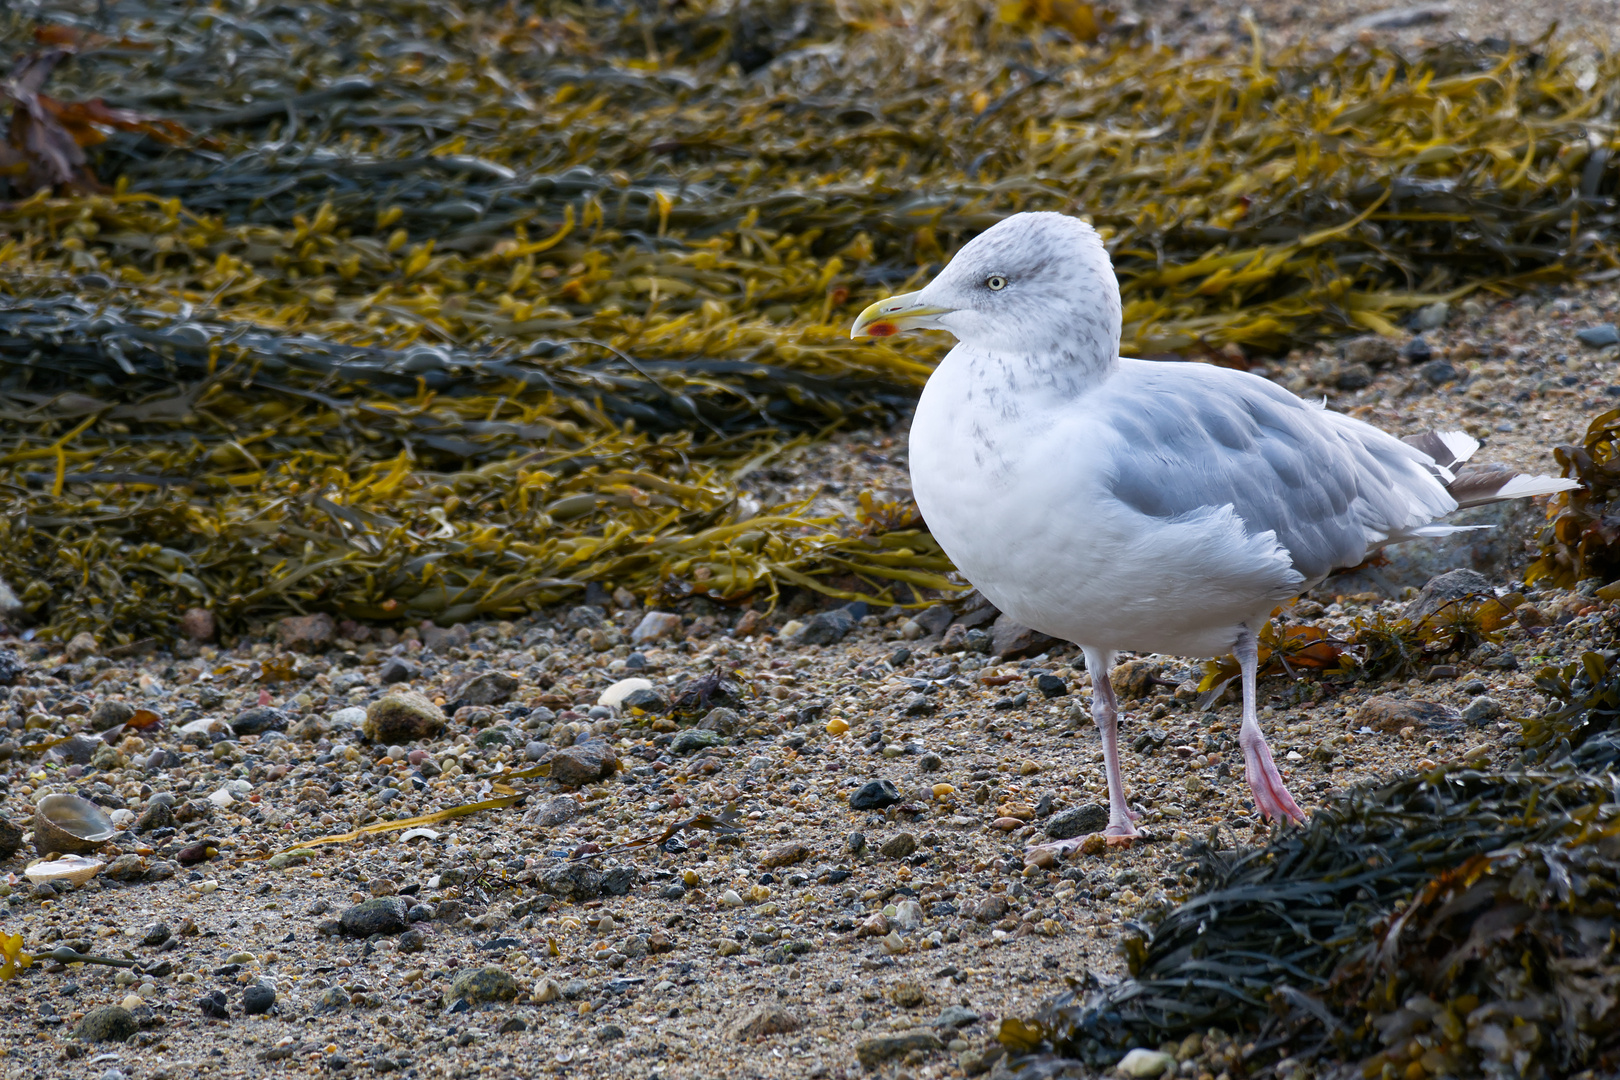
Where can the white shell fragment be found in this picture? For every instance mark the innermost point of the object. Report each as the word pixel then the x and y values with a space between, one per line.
pixel 75 869
pixel 614 695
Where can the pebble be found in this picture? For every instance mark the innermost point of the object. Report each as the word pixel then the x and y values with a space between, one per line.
pixel 402 716
pixel 489 983
pixel 875 795
pixel 766 1020
pixel 109 1023
pixel 257 999
pixel 1598 337
pixel 1482 709
pixel 656 626
pixel 785 855
pixel 258 720
pixel 1078 821
pixel 899 846
pixel 614 696
pixel 875 1051
pixel 379 915
pixel 584 763
pixel 693 739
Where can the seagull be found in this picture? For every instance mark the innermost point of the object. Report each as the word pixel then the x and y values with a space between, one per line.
pixel 1135 505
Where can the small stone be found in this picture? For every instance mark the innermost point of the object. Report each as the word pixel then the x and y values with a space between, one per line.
pixel 307 633
pixel 11 838
pixel 11 667
pixel 1433 316
pixel 511 1026
pixel 875 795
pixel 727 947
pixel 80 749
pixel 899 846
pixel 1438 372
pixel 1134 679
pixel 1389 715
pixel 1372 350
pixel 258 720
pixel 545 991
pixel 575 881
pixel 397 669
pixel 1417 351
pixel 955 1016
pixel 1480 710
pixel 766 1020
pixel 257 999
pixel 1452 586
pixel 1142 1063
pixel 934 619
pixel 785 855
pixel 487 688
pixel 855 842
pixel 693 739
pixel 110 713
pixel 1354 377
pixel 81 645
pixel 1051 686
pixel 213 1004
pixel 156 935
pixel 584 763
pixel 1077 821
pixel 827 627
pixel 198 624
pixel 644 701
pixel 479 985
pixel 908 915
pixel 1011 640
pixel 379 915
pixel 109 1023
pixel 130 867
pixel 402 716
pixel 908 994
pixel 609 1033
pixel 875 1051
pixel 992 908
pixel 1600 336
pixel 723 720
pixel 559 810
pixel 656 626
pixel 157 815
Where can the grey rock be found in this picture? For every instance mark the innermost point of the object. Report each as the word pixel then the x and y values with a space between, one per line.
pixel 403 717
pixel 156 934
pixel 129 867
pixel 918 705
pixel 1445 588
pixel 899 846
pixel 648 701
pixel 992 908
pixel 307 633
pixel 692 739
pixel 584 763
pixel 656 626
pixel 11 667
pixel 1078 821
pixel 1354 377
pixel 379 915
pixel 827 627
pixel 855 842
pixel 875 1051
pixel 487 688
pixel 1438 372
pixel 934 619
pixel 110 713
pixel 257 999
pixel 620 880
pixel 557 811
pixel 766 1020
pixel 110 1023
pixel 1598 337
pixel 575 881
pixel 875 795
pixel 79 749
pixel 609 1033
pixel 1051 686
pixel 258 720
pixel 955 1016
pixel 397 669
pixel 1391 714
pixel 488 983
pixel 1482 709
pixel 1011 640
pixel 1373 350
pixel 1417 351
pixel 1433 316
pixel 722 720
pixel 11 837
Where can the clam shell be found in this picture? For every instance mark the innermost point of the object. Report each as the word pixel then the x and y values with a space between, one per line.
pixel 73 868
pixel 70 825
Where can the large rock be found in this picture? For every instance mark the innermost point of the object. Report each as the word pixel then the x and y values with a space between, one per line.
pixel 584 763
pixel 402 716
pixel 487 688
pixel 488 983
pixel 1454 585
pixel 827 627
pixel 110 1023
pixel 656 626
pixel 1389 715
pixel 875 1051
pixel 1011 640
pixel 379 915
pixel 1079 821
pixel 307 633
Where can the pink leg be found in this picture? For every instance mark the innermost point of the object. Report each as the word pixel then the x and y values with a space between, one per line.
pixel 1104 711
pixel 1270 796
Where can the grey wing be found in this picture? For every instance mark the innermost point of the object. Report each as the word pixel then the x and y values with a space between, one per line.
pixel 1200 437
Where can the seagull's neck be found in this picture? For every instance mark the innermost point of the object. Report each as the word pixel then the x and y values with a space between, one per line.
pixel 1053 372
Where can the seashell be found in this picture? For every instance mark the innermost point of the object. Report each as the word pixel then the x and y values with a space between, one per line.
pixel 75 869
pixel 70 825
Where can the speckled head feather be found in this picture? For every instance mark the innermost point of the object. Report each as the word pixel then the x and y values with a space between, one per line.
pixel 1058 298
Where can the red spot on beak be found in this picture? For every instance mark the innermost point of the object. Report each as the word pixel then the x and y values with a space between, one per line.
pixel 881 329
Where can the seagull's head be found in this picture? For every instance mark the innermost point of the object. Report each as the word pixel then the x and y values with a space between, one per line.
pixel 1032 283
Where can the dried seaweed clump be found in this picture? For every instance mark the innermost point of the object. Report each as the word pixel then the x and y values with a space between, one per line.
pixel 1583 537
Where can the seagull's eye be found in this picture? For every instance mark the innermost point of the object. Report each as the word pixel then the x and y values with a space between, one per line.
pixel 995 283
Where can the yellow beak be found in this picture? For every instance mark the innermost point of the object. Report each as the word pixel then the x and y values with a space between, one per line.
pixel 888 317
